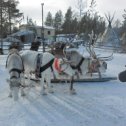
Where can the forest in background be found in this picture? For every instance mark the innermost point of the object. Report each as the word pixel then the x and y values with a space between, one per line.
pixel 81 22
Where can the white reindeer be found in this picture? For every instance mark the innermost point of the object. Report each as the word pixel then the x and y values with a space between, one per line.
pixel 85 65
pixel 39 64
pixel 14 66
pixel 45 66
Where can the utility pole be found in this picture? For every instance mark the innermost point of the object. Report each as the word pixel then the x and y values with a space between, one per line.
pixel 9 12
pixel 42 30
pixel 1 18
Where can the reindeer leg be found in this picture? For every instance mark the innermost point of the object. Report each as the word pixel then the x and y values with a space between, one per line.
pixel 53 72
pixel 72 90
pixel 22 91
pixel 22 84
pixel 15 93
pixel 50 86
pixel 99 73
pixel 10 94
pixel 43 86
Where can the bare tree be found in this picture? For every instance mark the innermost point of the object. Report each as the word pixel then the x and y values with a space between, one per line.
pixel 81 6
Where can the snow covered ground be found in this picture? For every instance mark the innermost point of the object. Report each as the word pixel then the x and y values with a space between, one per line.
pixel 95 104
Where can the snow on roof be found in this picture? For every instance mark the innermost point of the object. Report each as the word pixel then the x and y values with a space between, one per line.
pixel 46 27
pixel 23 32
pixel 11 39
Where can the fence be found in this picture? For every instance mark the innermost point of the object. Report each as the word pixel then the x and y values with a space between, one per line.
pixel 24 47
pixel 27 47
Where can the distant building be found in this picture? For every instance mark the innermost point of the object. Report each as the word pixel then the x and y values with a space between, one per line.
pixel 49 32
pixel 25 36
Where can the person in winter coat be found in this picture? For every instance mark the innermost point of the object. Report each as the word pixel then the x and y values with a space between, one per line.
pixel 122 76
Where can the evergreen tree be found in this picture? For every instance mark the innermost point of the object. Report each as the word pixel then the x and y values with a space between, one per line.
pixel 9 15
pixel 58 20
pixel 74 25
pixel 124 22
pixel 49 19
pixel 67 22
pixel 31 25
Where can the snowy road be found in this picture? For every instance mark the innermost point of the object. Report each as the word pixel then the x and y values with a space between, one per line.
pixel 95 104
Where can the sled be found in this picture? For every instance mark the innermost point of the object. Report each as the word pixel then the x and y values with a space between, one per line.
pixel 103 79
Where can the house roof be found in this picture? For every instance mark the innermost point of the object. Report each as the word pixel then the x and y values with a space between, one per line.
pixel 23 32
pixel 46 27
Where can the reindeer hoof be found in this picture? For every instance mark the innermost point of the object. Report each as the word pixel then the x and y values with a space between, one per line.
pixel 10 95
pixel 44 93
pixel 23 95
pixel 72 91
pixel 51 91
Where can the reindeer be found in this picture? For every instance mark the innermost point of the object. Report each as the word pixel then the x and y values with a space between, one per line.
pixel 87 65
pixel 14 66
pixel 39 64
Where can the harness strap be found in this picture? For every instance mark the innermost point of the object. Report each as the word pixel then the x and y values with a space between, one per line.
pixel 16 70
pixel 8 57
pixel 13 77
pixel 78 65
pixel 38 65
pixel 18 55
pixel 46 66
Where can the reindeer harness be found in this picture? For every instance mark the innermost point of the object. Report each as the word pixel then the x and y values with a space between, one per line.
pixel 14 69
pixel 78 65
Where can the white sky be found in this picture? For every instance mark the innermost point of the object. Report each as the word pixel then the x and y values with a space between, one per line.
pixel 32 9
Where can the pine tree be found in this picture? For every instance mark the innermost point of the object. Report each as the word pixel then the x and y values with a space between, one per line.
pixel 74 25
pixel 49 19
pixel 9 15
pixel 67 22
pixel 58 20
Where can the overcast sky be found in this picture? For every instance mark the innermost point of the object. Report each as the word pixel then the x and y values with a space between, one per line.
pixel 32 8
